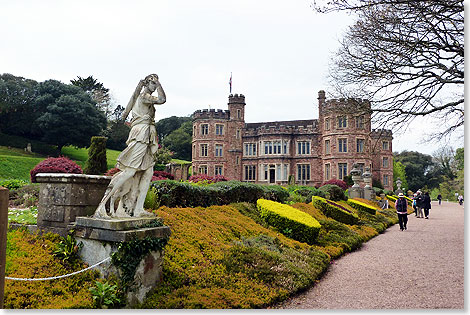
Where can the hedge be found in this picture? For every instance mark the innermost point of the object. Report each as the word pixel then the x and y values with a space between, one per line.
pixel 335 211
pixel 21 143
pixel 295 223
pixel 361 206
pixel 179 194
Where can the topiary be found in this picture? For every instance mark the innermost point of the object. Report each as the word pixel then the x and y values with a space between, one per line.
pixel 96 163
pixel 337 182
pixel 334 192
pixel 55 165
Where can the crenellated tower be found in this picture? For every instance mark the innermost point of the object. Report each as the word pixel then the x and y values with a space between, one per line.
pixel 345 128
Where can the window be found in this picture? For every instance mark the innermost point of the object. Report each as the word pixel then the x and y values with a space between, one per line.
pixel 385 145
pixel 342 170
pixel 250 149
pixel 238 133
pixel 238 160
pixel 385 162
pixel 204 129
pixel 218 170
pixel 203 169
pixel 360 122
pixel 250 172
pixel 285 171
pixel 327 123
pixel 303 172
pixel 327 147
pixel 266 172
pixel 275 147
pixel 239 114
pixel 360 145
pixel 268 147
pixel 327 172
pixel 203 150
pixel 219 129
pixel 218 150
pixel 278 172
pixel 342 122
pixel 303 147
pixel 385 180
pixel 343 145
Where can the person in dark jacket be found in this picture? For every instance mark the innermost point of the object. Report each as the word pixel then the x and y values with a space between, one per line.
pixel 401 205
pixel 426 204
pixel 420 204
pixel 439 197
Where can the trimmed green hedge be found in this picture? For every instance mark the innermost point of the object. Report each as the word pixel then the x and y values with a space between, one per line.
pixel 361 206
pixel 21 143
pixel 335 211
pixel 297 224
pixel 172 194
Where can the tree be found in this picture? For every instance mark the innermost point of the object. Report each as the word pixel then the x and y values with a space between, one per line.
pixel 98 93
pixel 399 172
pixel 70 117
pixel 459 159
pixel 417 169
pixel 166 126
pixel 406 57
pixel 17 105
pixel 444 160
pixel 117 133
pixel 180 140
pixel 96 163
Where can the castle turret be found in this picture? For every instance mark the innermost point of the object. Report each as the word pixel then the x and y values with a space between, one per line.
pixel 345 134
pixel 235 125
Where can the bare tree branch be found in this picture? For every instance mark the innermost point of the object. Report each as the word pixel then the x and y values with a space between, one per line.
pixel 405 56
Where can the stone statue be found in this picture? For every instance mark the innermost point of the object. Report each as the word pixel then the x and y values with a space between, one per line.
pixel 129 186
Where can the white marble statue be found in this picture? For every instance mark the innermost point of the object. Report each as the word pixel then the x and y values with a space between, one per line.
pixel 129 187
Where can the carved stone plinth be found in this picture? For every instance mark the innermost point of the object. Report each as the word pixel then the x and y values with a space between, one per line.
pixel 63 197
pixel 101 238
pixel 356 192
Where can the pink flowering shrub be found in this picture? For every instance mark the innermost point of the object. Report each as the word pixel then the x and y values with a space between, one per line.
pixel 206 179
pixel 336 182
pixel 112 171
pixel 55 165
pixel 163 174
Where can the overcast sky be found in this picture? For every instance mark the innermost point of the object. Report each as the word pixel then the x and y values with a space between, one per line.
pixel 277 52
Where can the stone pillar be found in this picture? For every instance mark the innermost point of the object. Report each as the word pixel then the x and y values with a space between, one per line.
pixel 356 191
pixel 63 197
pixel 369 193
pixel 102 237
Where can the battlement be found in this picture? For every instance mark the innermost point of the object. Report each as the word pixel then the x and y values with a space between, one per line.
pixel 381 133
pixel 282 127
pixel 348 101
pixel 236 99
pixel 211 114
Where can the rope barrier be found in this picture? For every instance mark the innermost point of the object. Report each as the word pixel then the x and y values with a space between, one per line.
pixel 59 277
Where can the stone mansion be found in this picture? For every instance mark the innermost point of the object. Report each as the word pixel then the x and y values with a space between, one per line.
pixel 312 150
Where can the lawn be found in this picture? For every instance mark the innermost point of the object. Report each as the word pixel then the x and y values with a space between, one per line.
pixel 17 167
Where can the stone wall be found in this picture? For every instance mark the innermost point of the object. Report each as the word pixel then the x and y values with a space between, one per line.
pixel 63 197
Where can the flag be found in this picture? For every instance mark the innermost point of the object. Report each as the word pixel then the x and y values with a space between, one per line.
pixel 230 82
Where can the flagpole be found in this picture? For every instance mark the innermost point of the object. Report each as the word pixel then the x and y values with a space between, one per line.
pixel 230 82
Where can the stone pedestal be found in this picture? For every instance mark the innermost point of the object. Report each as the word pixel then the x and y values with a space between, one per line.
pixel 63 197
pixel 356 192
pixel 369 193
pixel 101 238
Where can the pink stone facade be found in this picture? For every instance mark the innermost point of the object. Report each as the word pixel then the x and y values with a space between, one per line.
pixel 307 152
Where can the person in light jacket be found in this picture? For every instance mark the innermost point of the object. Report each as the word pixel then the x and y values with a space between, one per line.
pixel 401 205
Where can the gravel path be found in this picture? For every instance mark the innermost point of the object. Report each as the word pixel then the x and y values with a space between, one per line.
pixel 420 268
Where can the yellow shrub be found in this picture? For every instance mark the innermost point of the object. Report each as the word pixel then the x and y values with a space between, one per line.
pixel 300 225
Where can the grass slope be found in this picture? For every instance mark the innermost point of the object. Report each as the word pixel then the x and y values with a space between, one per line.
pixel 17 167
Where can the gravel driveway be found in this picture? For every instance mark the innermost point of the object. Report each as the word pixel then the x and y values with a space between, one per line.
pixel 420 268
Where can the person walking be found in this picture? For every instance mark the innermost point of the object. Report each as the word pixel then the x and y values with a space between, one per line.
pixel 426 204
pixel 439 197
pixel 401 205
pixel 415 196
pixel 420 204
pixel 460 198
